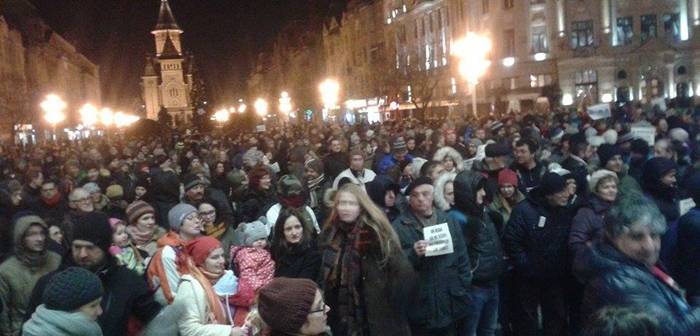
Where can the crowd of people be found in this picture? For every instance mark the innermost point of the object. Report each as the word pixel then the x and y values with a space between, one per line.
pixel 513 224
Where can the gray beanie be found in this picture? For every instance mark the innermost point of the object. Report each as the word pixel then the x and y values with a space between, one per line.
pixel 91 187
pixel 177 215
pixel 254 231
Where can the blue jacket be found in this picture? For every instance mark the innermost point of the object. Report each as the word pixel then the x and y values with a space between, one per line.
pixel 444 281
pixel 389 162
pixel 613 279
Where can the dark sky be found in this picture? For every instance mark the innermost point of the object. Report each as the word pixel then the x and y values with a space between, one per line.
pixel 224 36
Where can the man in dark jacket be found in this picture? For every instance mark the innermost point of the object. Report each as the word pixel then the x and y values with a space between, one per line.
pixel 623 270
pixel 165 188
pixel 336 161
pixel 535 239
pixel 125 292
pixel 526 165
pixel 577 162
pixel 485 251
pixel 198 191
pixel 442 304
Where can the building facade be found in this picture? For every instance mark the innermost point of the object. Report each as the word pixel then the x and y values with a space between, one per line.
pixel 36 61
pixel 167 80
pixel 588 50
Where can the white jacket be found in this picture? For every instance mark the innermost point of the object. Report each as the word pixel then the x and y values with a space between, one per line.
pixel 192 302
pixel 369 176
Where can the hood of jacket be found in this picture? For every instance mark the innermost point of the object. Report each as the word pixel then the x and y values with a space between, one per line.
pixel 452 153
pixel 466 184
pixel 377 188
pixel 439 193
pixel 652 173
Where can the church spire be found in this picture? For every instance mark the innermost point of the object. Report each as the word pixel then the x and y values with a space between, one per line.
pixel 166 19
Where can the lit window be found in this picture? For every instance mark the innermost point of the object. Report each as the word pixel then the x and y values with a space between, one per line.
pixel 582 34
pixel 648 27
pixel 625 30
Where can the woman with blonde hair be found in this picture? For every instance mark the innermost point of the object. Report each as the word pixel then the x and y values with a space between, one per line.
pixel 365 273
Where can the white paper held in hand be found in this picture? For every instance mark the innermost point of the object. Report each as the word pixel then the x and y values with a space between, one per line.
pixel 439 240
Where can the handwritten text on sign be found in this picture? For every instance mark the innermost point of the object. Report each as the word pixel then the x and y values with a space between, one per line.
pixel 439 240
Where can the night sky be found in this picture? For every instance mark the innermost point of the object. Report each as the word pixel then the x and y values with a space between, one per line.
pixel 224 35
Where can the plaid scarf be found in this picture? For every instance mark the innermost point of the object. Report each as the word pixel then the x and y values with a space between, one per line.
pixel 343 275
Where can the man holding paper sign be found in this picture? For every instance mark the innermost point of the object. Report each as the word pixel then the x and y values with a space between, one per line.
pixel 435 247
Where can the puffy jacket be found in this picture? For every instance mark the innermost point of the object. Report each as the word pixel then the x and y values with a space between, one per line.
pixel 444 280
pixel 536 237
pixel 587 225
pixel 478 228
pixel 613 279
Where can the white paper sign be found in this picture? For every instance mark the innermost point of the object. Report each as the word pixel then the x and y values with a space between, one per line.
pixel 600 111
pixel 660 102
pixel 439 240
pixel 260 128
pixel 647 134
pixel 685 205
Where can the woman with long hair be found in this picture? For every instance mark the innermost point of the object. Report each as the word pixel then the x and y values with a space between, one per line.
pixel 365 273
pixel 294 249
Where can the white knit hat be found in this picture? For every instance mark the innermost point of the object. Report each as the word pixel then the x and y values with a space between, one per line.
pixel 598 175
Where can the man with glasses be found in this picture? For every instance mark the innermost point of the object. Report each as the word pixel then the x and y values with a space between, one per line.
pixel 80 203
pixel 198 191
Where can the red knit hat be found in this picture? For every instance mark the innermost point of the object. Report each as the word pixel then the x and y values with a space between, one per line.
pixel 200 248
pixel 284 303
pixel 507 176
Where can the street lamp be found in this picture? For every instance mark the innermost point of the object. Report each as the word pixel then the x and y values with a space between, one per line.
pixel 261 107
pixel 472 52
pixel 106 116
pixel 329 93
pixel 285 103
pixel 242 107
pixel 88 115
pixel 53 107
pixel 221 116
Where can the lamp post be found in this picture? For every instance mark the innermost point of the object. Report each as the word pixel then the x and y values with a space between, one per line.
pixel 221 117
pixel 53 107
pixel 285 104
pixel 261 107
pixel 472 52
pixel 329 93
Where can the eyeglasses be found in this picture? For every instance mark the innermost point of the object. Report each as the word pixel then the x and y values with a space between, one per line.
pixel 207 213
pixel 319 310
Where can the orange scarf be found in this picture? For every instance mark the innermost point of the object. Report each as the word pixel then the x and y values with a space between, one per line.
pixel 207 280
pixel 155 268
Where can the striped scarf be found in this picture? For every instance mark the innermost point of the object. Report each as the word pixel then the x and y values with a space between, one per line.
pixel 314 185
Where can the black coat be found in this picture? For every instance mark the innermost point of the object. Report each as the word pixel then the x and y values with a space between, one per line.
pixel 587 225
pixel 613 279
pixel 255 204
pixel 334 163
pixel 686 267
pixel 536 238
pixel 299 262
pixel 125 294
pixel 444 281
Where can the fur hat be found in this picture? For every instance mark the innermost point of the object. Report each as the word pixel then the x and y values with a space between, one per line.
pixel 597 176
pixel 255 231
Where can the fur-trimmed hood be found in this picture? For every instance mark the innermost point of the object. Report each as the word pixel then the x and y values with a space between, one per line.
pixel 439 191
pixel 452 153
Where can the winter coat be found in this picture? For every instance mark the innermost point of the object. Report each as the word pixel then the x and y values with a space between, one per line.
pixel 500 205
pixel 376 190
pixel 224 212
pixel 367 176
pixel 334 163
pixel 450 152
pixel 529 178
pixel 579 170
pixel 165 186
pixel 385 289
pixel 255 269
pixel 46 321
pixel 664 196
pixel 125 295
pixel 299 262
pixel 536 236
pixel 444 281
pixel 479 230
pixel 16 283
pixel 613 279
pixel 686 268
pixel 388 162
pixel 587 225
pixel 192 300
pixel 52 215
pixel 255 204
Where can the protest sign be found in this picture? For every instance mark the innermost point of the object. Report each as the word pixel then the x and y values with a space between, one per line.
pixel 685 205
pixel 439 240
pixel 647 134
pixel 600 111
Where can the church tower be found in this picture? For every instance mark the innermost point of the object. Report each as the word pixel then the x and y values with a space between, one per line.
pixel 166 84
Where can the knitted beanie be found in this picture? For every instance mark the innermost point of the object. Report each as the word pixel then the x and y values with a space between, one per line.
pixel 552 183
pixel 114 192
pixel 71 289
pixel 191 180
pixel 399 145
pixel 93 227
pixel 607 152
pixel 113 222
pixel 177 215
pixel 284 303
pixel 597 176
pixel 507 176
pixel 496 149
pixel 137 209
pixel 316 165
pixel 200 248
pixel 254 231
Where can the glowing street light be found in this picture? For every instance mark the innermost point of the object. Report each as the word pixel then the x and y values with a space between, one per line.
pixel 472 52
pixel 221 116
pixel 261 107
pixel 122 119
pixel 106 116
pixel 285 103
pixel 242 107
pixel 88 115
pixel 53 107
pixel 329 93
